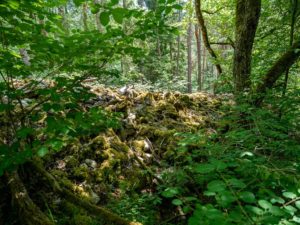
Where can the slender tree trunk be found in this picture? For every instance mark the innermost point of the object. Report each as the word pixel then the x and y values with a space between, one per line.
pixel 124 63
pixel 178 56
pixel 198 40
pixel 205 35
pixel 62 12
pixel 294 7
pixel 247 18
pixel 189 58
pixel 158 47
pixel 84 16
pixel 178 46
pixel 204 65
pixel 97 18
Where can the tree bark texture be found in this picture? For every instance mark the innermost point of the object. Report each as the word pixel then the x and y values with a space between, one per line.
pixel 189 58
pixel 205 38
pixel 294 9
pixel 199 48
pixel 84 16
pixel 247 18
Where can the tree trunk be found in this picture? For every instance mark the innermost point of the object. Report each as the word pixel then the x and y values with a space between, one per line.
pixel 205 35
pixel 178 45
pixel 294 7
pixel 97 18
pixel 281 65
pixel 189 58
pixel 203 66
pixel 198 40
pixel 29 213
pixel 178 56
pixel 247 18
pixel 84 16
pixel 60 189
pixel 64 21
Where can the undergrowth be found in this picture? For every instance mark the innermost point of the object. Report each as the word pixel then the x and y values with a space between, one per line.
pixel 246 172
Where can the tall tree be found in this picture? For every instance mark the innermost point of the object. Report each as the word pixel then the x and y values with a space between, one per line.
pixel 178 46
pixel 294 10
pixel 205 38
pixel 189 58
pixel 199 48
pixel 247 18
pixel 84 16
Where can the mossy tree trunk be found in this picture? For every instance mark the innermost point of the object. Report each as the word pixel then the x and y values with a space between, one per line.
pixel 281 65
pixel 29 212
pixel 247 18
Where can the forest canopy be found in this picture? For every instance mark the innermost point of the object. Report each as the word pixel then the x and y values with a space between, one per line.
pixel 149 112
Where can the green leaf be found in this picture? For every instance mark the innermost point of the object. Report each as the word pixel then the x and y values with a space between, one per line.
pixel 177 6
pixel 236 183
pixel 13 4
pixel 177 202
pixel 216 186
pixel 57 144
pixel 104 18
pixel 296 219
pixel 24 132
pixel 255 210
pixel 15 54
pixel 204 168
pixel 209 193
pixel 277 200
pixel 290 209
pixel 118 14
pixel 290 195
pixel 276 211
pixel 225 198
pixel 114 2
pixel 95 9
pixel 247 197
pixel 264 204
pixel 297 204
pixel 218 164
pixel 170 192
pixel 42 151
pixel 78 2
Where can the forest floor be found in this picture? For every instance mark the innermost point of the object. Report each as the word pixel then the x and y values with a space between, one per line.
pixel 120 168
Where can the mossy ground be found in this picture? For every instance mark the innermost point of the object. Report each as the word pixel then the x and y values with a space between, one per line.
pixel 112 168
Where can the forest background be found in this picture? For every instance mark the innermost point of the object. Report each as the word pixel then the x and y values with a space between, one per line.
pixel 74 74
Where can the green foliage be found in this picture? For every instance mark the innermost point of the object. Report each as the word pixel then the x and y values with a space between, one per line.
pixel 137 208
pixel 247 175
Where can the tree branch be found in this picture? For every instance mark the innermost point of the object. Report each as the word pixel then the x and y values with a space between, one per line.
pixel 274 73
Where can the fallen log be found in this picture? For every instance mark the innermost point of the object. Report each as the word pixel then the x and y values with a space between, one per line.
pixel 60 189
pixel 29 212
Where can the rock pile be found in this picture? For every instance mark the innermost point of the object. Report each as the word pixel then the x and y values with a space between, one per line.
pixel 149 122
